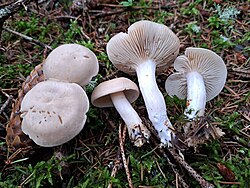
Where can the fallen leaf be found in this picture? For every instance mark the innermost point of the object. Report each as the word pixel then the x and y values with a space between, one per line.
pixel 226 172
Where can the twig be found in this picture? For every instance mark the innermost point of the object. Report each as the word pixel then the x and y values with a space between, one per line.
pixel 100 13
pixel 182 162
pixel 229 183
pixel 11 158
pixel 162 173
pixel 105 13
pixel 166 6
pixel 10 97
pixel 113 174
pixel 125 7
pixel 115 167
pixel 27 38
pixel 122 134
pixel 10 9
pixel 182 181
pixel 192 172
pixel 242 72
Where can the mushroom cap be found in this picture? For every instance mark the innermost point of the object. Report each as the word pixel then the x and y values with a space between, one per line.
pixel 210 65
pixel 145 40
pixel 72 63
pixel 54 112
pixel 101 95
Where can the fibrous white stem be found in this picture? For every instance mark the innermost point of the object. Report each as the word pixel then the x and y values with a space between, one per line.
pixel 196 95
pixel 154 100
pixel 138 132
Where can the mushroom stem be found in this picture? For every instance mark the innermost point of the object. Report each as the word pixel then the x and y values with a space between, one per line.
pixel 138 133
pixel 154 100
pixel 196 95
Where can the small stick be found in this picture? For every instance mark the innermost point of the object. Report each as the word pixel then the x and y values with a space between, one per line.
pixel 10 158
pixel 113 174
pixel 192 172
pixel 115 168
pixel 242 72
pixel 166 6
pixel 122 134
pixel 229 183
pixel 182 181
pixel 10 9
pixel 105 13
pixel 126 7
pixel 28 38
pixel 181 161
pixel 10 97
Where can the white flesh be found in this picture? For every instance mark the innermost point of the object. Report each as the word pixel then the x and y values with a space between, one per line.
pixel 196 96
pixel 138 133
pixel 154 100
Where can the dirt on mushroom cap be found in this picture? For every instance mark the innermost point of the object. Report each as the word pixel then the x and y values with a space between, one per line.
pixel 54 112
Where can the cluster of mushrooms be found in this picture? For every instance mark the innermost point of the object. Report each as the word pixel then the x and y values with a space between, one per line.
pixel 54 111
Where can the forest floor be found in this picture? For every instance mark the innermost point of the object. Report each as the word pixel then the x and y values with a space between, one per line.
pixel 94 157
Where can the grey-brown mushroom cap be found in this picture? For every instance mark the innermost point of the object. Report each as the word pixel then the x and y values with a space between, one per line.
pixel 101 95
pixel 144 41
pixel 72 63
pixel 54 112
pixel 210 65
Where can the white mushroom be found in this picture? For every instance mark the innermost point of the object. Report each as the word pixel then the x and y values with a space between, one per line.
pixel 146 47
pixel 120 92
pixel 71 63
pixel 54 112
pixel 201 75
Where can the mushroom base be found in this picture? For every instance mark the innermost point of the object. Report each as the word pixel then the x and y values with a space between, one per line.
pixel 138 134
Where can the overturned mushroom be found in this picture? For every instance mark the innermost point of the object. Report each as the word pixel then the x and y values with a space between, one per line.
pixel 120 92
pixel 71 63
pixel 146 47
pixel 54 112
pixel 201 75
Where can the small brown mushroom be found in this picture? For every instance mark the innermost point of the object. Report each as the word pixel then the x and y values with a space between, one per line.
pixel 120 92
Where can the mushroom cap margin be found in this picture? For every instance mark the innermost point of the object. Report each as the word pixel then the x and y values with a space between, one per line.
pixel 101 95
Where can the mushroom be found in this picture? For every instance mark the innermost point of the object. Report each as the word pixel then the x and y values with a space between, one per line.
pixel 146 47
pixel 201 75
pixel 120 92
pixel 71 63
pixel 54 112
